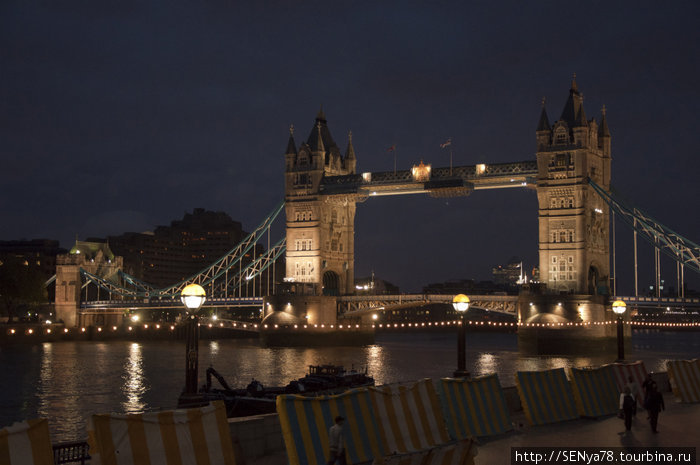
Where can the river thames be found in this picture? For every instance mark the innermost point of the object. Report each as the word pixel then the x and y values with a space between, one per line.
pixel 66 382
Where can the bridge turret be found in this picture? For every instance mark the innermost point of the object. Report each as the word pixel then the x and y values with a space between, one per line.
pixel 544 130
pixel 604 133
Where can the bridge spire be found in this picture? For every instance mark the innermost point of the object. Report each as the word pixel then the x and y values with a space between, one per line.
pixel 544 119
pixel 350 160
pixel 291 145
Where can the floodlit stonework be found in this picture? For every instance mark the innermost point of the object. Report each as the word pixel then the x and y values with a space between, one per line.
pixel 320 228
pixel 574 222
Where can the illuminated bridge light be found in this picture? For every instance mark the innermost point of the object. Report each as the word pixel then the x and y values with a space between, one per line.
pixel 30 331
pixel 48 331
pixel 114 328
pixel 82 330
pixel 172 327
pixel 65 330
pixel 99 330
pixel 130 328
pixel 12 331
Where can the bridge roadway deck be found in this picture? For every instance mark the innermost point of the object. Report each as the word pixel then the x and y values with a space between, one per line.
pixel 439 182
pixel 358 305
pixel 141 304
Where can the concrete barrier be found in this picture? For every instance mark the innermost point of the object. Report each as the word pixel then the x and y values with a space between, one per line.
pixel 257 436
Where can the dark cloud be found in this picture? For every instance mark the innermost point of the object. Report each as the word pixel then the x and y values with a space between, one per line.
pixel 151 109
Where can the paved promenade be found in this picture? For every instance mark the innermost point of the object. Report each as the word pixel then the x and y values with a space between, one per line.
pixel 679 426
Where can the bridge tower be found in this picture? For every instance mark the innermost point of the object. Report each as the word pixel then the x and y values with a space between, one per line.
pixel 320 228
pixel 574 221
pixel 95 258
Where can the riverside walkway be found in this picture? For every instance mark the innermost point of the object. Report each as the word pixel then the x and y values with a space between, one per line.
pixel 679 426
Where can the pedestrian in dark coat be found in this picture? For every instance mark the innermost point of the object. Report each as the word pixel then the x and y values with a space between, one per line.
pixel 627 407
pixel 655 404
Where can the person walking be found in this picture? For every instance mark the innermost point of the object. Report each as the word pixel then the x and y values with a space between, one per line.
pixel 627 407
pixel 337 443
pixel 645 386
pixel 655 404
pixel 636 393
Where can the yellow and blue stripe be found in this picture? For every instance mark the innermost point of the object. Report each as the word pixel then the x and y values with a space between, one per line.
pixel 546 396
pixel 595 391
pixel 475 407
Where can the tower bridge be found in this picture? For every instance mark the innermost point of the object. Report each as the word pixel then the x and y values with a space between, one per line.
pixel 571 174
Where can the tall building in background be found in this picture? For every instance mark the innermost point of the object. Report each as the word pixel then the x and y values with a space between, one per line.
pixel 173 253
pixel 40 253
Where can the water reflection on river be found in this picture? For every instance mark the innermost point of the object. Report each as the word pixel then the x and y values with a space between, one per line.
pixel 68 381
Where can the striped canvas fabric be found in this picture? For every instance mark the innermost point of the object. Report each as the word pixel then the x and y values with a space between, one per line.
pixel 595 391
pixel 474 407
pixel 172 437
pixel 305 422
pixel 410 417
pixel 546 396
pixel 684 376
pixel 622 372
pixel 26 443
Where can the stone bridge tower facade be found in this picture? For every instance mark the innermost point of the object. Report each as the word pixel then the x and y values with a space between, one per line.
pixel 574 222
pixel 320 253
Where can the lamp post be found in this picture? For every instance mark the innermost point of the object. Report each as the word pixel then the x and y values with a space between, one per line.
pixel 619 308
pixel 461 305
pixel 192 296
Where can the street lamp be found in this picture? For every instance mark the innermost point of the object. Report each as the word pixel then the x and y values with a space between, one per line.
pixel 192 296
pixel 461 305
pixel 619 308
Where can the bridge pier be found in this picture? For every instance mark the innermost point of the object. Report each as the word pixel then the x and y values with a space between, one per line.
pixel 567 325
pixel 307 320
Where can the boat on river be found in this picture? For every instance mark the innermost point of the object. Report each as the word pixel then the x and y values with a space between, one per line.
pixel 256 399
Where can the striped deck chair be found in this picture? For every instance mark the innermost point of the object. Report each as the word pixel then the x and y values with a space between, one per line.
pixel 26 443
pixel 684 376
pixel 595 391
pixel 546 396
pixel 171 437
pixel 474 407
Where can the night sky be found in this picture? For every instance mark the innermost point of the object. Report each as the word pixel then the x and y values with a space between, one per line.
pixel 121 116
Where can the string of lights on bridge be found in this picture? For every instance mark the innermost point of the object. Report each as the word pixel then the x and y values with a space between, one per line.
pixel 388 326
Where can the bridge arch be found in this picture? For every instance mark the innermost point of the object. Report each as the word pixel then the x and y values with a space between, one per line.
pixel 331 283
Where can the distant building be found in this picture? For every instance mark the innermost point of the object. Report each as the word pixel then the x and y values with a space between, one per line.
pixel 173 253
pixel 508 275
pixel 36 252
pixel 374 286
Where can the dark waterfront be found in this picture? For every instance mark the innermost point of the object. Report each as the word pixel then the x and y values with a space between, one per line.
pixel 68 381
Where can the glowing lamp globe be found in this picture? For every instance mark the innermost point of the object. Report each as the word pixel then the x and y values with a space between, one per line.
pixel 619 307
pixel 193 296
pixel 460 303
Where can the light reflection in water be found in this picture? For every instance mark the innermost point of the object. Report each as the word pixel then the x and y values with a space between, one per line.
pixel 45 380
pixel 375 361
pixel 214 348
pixel 134 387
pixel 69 381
